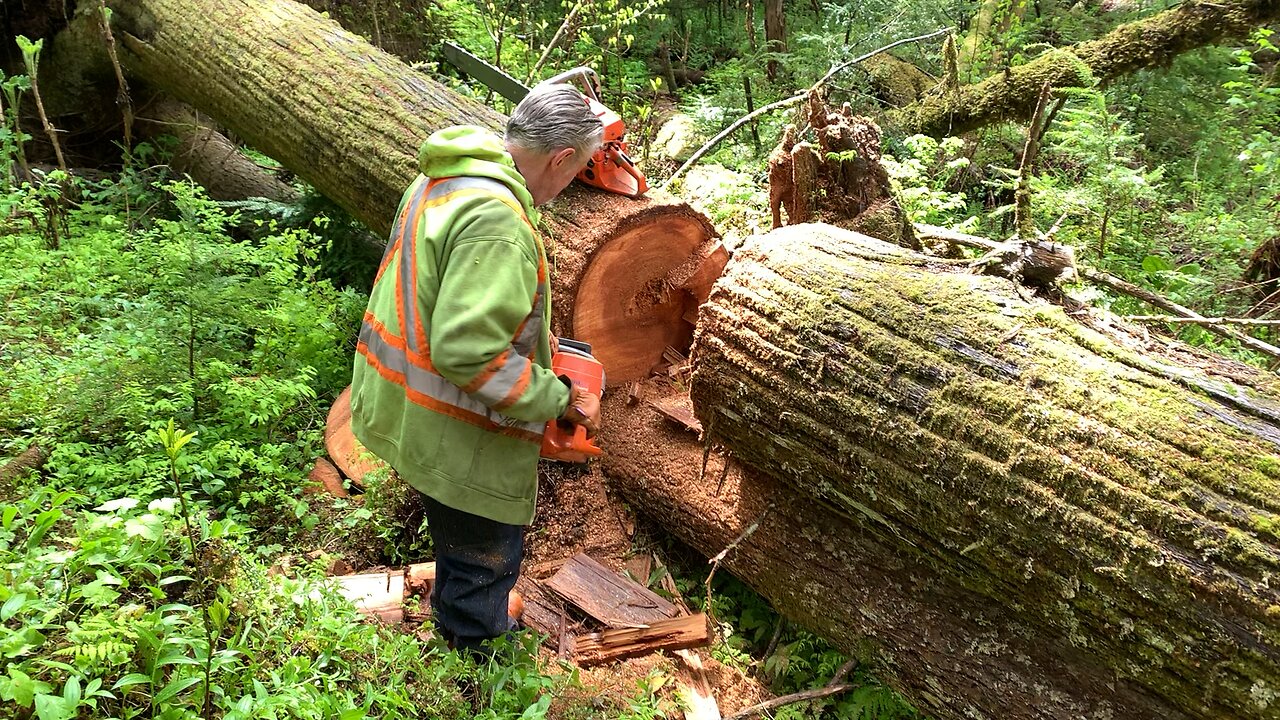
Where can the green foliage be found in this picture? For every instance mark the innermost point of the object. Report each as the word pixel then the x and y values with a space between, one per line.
pixel 102 617
pixel 923 178
pixel 119 328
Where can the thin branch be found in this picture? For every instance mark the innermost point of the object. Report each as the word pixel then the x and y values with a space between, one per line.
pixel 715 561
pixel 1202 321
pixel 122 92
pixel 555 40
pixel 1024 221
pixel 834 686
pixel 793 100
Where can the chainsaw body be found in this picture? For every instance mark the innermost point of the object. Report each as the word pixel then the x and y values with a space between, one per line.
pixel 610 168
pixel 562 440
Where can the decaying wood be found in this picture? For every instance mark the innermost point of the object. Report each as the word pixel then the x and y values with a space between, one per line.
pixel 840 180
pixel 543 610
pixel 29 460
pixel 607 596
pixel 792 101
pixel 340 443
pixel 679 633
pixel 1125 526
pixel 1150 42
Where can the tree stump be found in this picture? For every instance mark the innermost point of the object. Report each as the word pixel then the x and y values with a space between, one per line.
pixel 840 181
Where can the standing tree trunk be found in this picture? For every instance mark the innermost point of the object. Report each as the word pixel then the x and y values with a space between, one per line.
pixel 775 34
pixel 1119 515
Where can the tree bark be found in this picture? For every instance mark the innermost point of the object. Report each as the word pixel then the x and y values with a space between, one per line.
pixel 775 34
pixel 1151 42
pixel 208 156
pixel 323 102
pixel 1121 526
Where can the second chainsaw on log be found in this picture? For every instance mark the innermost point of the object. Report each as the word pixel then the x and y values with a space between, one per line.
pixel 611 168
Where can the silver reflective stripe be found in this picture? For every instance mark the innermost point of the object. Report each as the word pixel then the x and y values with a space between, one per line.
pixel 434 386
pixel 469 182
pixel 497 388
pixel 408 251
pixel 527 340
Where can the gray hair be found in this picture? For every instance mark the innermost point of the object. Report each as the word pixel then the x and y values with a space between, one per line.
pixel 553 117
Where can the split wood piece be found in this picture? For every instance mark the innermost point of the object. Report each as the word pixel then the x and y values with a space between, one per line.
pixel 379 594
pixel 609 597
pixel 696 692
pixel 680 633
pixel 543 609
pixel 679 409
pixel 418 582
pixel 346 452
pixel 325 477
pixel 626 274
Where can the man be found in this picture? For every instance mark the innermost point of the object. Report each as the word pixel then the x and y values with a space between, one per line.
pixel 452 385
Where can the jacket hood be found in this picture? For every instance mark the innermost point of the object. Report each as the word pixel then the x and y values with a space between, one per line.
pixel 474 151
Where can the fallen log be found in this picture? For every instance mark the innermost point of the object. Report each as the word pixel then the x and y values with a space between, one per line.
pixel 349 118
pixel 1124 524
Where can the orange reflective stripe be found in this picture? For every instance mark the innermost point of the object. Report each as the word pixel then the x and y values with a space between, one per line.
pixel 422 360
pixel 488 372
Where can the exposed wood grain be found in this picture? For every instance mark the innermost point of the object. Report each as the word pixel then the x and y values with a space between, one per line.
pixel 687 631
pixel 607 596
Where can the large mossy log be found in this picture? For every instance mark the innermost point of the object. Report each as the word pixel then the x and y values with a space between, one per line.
pixel 1150 42
pixel 1120 514
pixel 349 118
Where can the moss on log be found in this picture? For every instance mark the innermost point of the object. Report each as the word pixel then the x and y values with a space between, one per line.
pixel 1151 42
pixel 328 105
pixel 1105 504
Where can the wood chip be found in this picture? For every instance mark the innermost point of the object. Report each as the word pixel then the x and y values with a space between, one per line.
pixel 678 408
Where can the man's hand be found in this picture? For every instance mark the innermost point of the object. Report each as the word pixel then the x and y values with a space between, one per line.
pixel 584 410
pixel 555 344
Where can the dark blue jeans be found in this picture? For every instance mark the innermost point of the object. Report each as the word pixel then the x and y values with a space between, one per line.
pixel 477 562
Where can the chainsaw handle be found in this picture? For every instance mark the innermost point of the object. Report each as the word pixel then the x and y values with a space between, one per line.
pixel 590 80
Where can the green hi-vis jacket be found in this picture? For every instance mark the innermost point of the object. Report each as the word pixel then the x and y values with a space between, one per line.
pixel 452 385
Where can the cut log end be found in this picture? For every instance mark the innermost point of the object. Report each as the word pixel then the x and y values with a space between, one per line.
pixel 629 274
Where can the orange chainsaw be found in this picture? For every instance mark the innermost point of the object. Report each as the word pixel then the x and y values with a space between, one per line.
pixel 611 168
